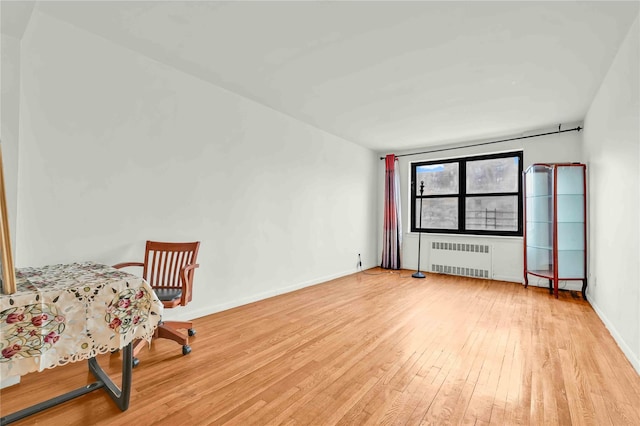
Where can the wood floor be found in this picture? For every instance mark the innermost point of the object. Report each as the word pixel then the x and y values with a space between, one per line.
pixel 371 349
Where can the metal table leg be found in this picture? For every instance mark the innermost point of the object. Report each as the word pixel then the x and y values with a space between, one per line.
pixel 119 395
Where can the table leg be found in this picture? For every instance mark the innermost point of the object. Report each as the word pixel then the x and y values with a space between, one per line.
pixel 119 395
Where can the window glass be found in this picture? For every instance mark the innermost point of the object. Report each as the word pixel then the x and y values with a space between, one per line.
pixel 438 213
pixel 439 179
pixel 492 213
pixel 493 175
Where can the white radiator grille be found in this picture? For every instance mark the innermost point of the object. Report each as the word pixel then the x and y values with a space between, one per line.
pixel 464 259
pixel 458 270
pixel 474 248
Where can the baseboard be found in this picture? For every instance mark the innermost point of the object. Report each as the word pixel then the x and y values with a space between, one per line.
pixel 507 278
pixel 541 282
pixel 633 358
pixel 187 315
pixel 571 285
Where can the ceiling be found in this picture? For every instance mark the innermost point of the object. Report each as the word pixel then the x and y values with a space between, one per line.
pixel 385 75
pixel 14 16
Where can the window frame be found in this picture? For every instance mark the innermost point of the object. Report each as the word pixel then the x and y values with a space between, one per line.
pixel 462 195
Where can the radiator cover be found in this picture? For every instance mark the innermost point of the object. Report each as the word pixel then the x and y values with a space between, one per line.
pixel 464 259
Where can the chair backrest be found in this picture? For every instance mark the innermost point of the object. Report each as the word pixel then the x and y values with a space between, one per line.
pixel 171 266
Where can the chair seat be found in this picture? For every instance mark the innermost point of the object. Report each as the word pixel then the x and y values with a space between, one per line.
pixel 168 294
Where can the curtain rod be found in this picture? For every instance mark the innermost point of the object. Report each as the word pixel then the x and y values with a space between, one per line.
pixel 492 142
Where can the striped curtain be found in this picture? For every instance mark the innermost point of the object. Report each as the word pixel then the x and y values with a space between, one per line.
pixel 392 228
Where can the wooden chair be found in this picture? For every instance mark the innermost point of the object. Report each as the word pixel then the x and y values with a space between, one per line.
pixel 169 270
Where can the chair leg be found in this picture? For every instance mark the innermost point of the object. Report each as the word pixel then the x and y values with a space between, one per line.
pixel 166 330
pixel 137 347
pixel 179 325
pixel 169 330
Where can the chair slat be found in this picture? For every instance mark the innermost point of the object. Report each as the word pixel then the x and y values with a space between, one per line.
pixel 175 267
pixel 164 263
pixel 166 279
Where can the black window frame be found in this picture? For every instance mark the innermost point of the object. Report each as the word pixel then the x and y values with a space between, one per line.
pixel 462 195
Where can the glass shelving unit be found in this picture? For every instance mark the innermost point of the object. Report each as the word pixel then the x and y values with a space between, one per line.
pixel 555 243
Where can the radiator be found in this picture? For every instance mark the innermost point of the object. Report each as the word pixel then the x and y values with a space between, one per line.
pixel 465 259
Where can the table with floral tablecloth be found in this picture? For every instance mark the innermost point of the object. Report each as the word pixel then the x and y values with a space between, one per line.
pixel 71 312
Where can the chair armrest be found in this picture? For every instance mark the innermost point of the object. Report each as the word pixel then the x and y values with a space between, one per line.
pixel 191 266
pixel 185 271
pixel 186 282
pixel 127 264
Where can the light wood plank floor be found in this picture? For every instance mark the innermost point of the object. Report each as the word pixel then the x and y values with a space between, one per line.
pixel 371 349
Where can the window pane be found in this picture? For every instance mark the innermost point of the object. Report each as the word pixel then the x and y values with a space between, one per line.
pixel 438 179
pixel 495 175
pixel 492 213
pixel 440 213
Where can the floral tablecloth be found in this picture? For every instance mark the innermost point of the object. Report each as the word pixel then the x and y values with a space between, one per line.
pixel 66 313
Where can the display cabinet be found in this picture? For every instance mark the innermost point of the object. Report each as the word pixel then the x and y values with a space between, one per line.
pixel 555 243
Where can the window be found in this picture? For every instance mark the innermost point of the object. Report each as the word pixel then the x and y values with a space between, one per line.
pixel 479 195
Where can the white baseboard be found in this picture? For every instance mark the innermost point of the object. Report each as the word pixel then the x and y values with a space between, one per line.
pixel 540 282
pixel 173 315
pixel 572 285
pixel 507 278
pixel 633 358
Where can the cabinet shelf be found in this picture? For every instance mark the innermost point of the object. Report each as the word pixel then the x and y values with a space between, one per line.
pixel 539 247
pixel 555 223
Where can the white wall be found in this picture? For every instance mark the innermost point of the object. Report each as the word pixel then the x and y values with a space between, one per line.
pixel 612 151
pixel 507 252
pixel 10 122
pixel 9 135
pixel 117 148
